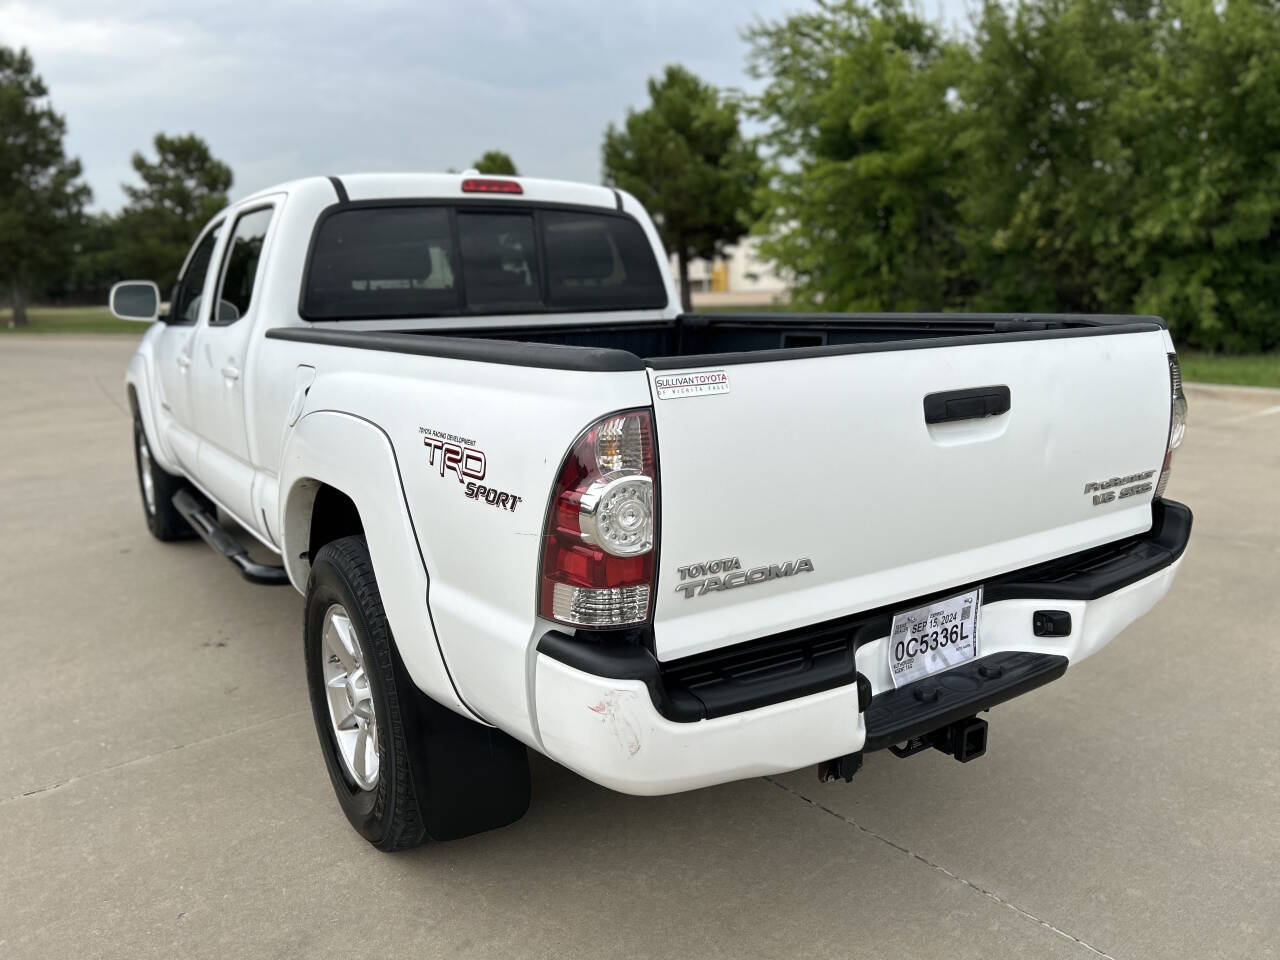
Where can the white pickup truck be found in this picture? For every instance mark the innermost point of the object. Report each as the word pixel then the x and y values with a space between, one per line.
pixel 531 504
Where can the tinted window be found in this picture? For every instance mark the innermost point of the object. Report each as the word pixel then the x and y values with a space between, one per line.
pixel 184 305
pixel 243 253
pixel 381 262
pixel 599 262
pixel 499 267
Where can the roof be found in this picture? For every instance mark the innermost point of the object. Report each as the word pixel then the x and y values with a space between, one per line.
pixel 379 186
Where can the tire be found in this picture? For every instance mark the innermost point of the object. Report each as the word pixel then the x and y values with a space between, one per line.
pixel 157 486
pixel 438 775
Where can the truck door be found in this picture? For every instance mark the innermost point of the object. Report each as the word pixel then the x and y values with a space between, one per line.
pixel 218 366
pixel 173 354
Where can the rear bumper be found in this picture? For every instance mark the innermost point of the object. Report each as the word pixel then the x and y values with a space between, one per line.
pixel 618 717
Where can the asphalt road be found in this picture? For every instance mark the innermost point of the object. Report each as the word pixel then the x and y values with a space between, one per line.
pixel 162 794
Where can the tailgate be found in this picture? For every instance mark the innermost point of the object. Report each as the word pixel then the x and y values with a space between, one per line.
pixel 814 487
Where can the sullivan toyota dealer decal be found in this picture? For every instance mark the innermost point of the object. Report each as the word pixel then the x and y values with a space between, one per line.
pixel 672 385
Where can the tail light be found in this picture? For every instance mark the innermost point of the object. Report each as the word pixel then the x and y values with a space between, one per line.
pixel 601 529
pixel 1177 421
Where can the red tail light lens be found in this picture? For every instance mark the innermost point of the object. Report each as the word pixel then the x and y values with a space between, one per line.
pixel 483 185
pixel 601 530
pixel 1177 422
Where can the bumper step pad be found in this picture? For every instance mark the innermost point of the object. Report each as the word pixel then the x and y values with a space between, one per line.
pixel 918 708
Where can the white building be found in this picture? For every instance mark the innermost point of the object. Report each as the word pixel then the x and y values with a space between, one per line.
pixel 739 278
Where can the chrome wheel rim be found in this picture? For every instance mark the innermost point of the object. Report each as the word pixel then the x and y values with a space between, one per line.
pixel 144 471
pixel 351 714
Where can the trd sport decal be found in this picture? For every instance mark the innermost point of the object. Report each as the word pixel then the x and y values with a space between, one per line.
pixel 464 459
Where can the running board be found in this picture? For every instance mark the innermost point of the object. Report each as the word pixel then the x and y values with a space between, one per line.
pixel 203 523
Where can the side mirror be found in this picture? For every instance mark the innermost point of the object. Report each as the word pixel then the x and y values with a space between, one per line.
pixel 136 300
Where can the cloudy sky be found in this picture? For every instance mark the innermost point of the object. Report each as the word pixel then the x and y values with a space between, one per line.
pixel 283 88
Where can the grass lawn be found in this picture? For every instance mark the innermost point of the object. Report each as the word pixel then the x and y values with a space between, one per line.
pixel 1250 370
pixel 70 320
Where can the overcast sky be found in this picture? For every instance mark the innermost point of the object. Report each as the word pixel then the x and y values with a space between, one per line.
pixel 283 88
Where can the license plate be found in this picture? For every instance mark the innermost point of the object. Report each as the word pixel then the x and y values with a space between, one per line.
pixel 935 637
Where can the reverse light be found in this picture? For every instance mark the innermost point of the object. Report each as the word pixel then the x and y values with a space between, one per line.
pixel 487 185
pixel 1177 422
pixel 601 528
pixel 616 514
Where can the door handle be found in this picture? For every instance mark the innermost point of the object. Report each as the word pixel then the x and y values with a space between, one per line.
pixel 183 362
pixel 971 404
pixel 231 372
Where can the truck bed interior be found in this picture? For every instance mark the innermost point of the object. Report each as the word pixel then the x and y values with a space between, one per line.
pixel 707 339
pixel 697 335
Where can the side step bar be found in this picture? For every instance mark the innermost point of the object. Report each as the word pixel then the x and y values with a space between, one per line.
pixel 203 523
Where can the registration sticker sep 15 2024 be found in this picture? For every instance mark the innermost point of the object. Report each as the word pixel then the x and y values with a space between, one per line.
pixel 935 637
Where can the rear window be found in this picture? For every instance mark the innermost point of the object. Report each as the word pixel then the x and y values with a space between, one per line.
pixel 384 262
pixel 415 261
pixel 592 259
pixel 499 262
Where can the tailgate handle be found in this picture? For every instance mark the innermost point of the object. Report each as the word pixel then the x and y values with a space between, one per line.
pixel 971 404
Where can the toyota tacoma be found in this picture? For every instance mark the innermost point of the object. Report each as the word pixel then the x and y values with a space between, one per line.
pixel 532 504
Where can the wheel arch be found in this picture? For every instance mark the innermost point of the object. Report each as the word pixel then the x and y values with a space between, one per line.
pixel 140 389
pixel 339 477
pixel 316 513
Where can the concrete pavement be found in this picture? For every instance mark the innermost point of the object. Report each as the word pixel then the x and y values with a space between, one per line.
pixel 162 794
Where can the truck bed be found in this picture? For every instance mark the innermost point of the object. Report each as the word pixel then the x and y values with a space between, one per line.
pixel 906 455
pixel 703 339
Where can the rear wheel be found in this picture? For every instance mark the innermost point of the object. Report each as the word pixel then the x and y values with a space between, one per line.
pixel 403 767
pixel 157 487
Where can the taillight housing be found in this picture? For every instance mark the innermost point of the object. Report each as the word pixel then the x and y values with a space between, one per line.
pixel 1177 422
pixel 601 531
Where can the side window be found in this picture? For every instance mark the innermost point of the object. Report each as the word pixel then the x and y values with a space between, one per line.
pixel 499 267
pixel 184 305
pixel 240 269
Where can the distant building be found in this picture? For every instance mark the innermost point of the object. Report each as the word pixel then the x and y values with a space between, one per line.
pixel 739 278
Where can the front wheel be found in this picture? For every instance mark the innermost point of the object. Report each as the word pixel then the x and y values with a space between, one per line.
pixel 157 487
pixel 403 767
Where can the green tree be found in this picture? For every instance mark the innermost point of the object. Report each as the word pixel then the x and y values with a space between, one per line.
pixel 1126 156
pixel 861 205
pixel 498 163
pixel 685 158
pixel 95 260
pixel 1070 155
pixel 41 195
pixel 181 190
pixel 1205 248
pixel 1052 167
